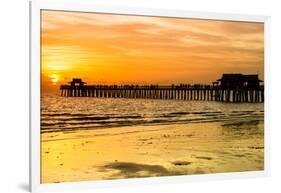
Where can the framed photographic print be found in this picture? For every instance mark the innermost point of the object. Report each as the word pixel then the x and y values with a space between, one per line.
pixel 123 96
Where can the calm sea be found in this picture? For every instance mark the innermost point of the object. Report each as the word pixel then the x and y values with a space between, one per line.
pixel 81 113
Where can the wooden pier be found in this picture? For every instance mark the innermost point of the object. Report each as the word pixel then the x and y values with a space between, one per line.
pixel 215 92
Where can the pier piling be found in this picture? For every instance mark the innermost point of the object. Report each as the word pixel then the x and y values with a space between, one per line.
pixel 216 92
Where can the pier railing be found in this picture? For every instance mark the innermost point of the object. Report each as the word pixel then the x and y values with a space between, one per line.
pixel 175 92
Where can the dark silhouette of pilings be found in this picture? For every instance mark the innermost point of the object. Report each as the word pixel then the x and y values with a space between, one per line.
pixel 173 92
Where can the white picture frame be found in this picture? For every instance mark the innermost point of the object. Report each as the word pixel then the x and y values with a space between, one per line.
pixel 36 6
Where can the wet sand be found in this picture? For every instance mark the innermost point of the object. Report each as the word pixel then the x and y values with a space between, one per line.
pixel 146 151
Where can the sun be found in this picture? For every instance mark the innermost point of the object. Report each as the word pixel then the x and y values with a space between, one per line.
pixel 54 78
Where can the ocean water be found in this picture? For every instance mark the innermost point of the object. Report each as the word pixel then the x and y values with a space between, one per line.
pixel 83 113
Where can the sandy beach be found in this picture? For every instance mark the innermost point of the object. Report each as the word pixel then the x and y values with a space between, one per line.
pixel 147 151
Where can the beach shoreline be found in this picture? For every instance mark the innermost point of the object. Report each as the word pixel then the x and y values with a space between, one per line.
pixel 150 151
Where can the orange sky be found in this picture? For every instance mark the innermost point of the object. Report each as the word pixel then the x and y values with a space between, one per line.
pixel 121 49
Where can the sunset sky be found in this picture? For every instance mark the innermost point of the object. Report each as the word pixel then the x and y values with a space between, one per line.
pixel 122 49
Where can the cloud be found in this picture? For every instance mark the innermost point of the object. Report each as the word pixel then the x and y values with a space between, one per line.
pixel 104 45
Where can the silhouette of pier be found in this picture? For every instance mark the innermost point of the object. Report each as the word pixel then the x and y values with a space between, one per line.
pixel 230 88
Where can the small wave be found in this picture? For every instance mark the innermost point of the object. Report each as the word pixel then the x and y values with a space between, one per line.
pixel 82 118
pixel 193 113
pixel 179 113
pixel 61 114
pixel 117 123
pixel 235 111
pixel 84 122
pixel 90 122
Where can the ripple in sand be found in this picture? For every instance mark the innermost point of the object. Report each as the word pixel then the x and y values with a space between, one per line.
pixel 181 163
pixel 204 157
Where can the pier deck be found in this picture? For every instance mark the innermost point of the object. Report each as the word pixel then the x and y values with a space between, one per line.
pixel 173 92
